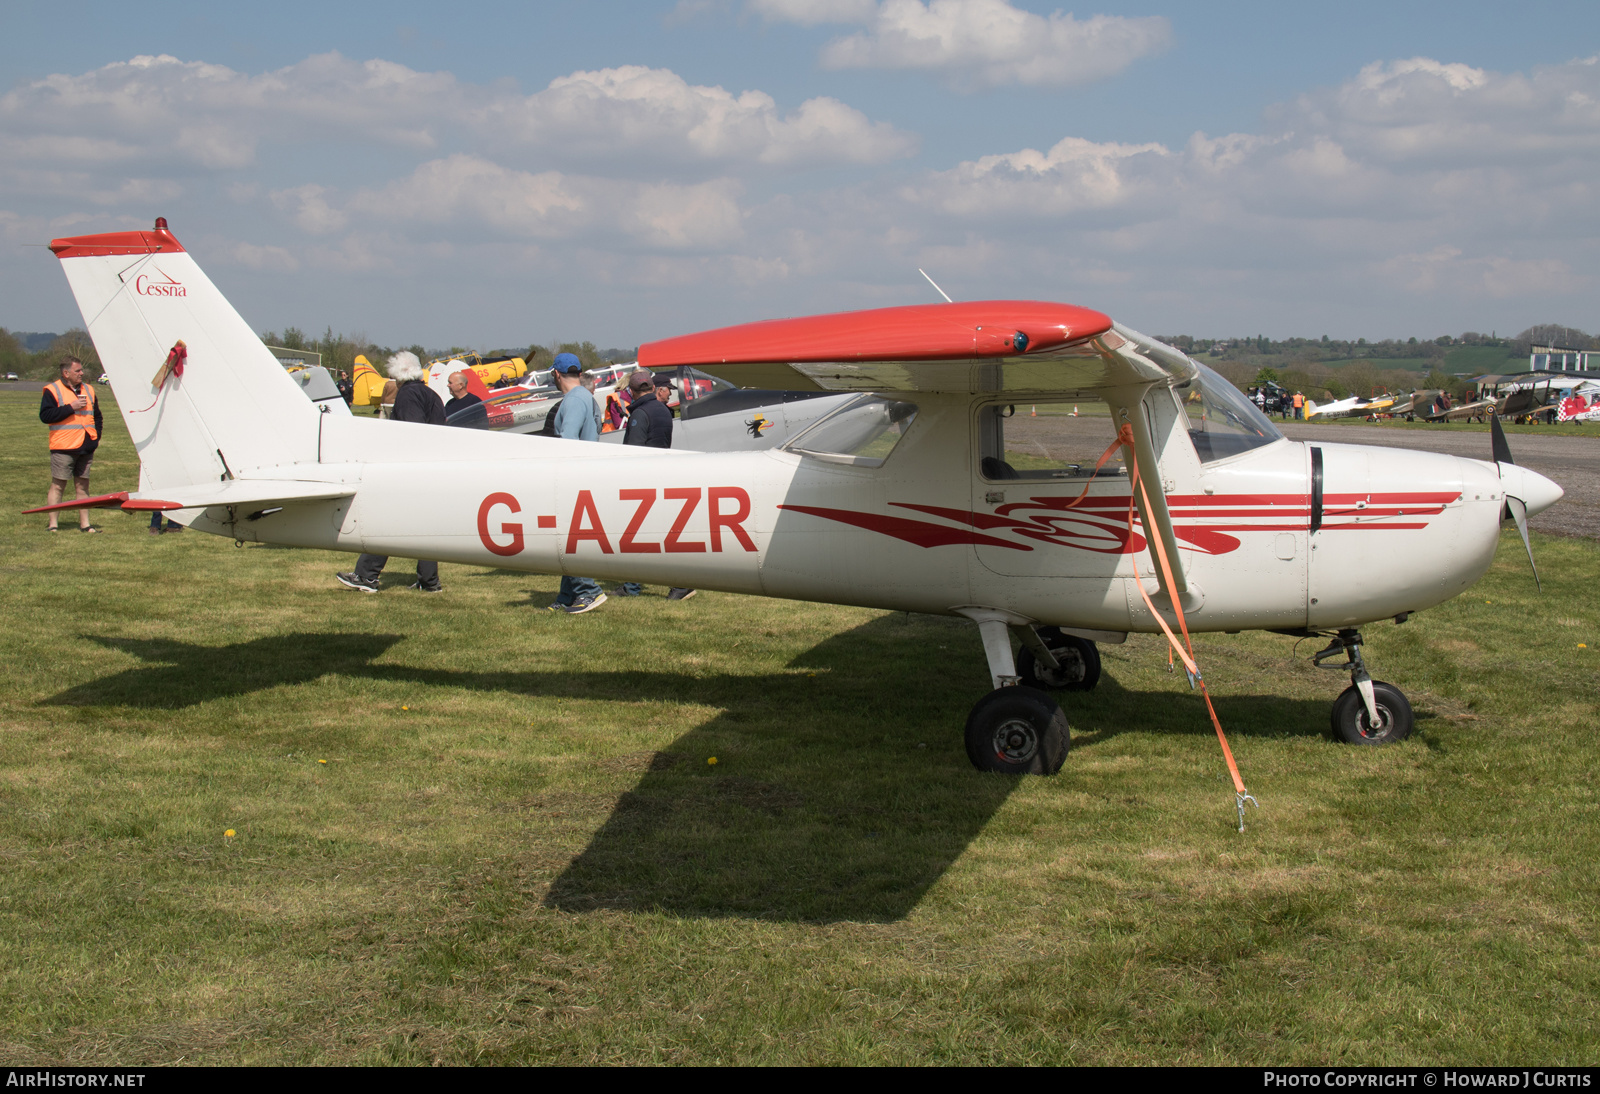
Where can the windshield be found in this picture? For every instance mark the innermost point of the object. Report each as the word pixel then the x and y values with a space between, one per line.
pixel 862 432
pixel 1222 422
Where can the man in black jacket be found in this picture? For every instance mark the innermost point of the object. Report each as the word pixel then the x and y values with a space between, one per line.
pixel 649 420
pixel 414 401
pixel 649 424
pixel 69 407
pixel 464 408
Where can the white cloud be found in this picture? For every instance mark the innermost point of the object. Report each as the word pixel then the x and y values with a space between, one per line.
pixel 633 110
pixel 1072 176
pixel 1422 110
pixel 267 257
pixel 810 13
pixel 479 194
pixel 1365 196
pixel 976 44
pixel 1385 146
pixel 1415 187
pixel 310 209
pixel 98 189
pixel 213 118
pixel 1446 269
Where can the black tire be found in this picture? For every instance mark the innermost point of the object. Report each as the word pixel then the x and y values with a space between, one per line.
pixel 1018 731
pixel 1352 725
pixel 1080 663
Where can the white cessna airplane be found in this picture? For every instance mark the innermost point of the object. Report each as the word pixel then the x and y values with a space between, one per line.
pixel 928 492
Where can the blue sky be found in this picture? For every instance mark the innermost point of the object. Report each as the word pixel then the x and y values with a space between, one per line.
pixel 1370 169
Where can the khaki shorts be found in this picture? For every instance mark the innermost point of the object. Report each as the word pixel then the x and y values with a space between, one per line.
pixel 70 465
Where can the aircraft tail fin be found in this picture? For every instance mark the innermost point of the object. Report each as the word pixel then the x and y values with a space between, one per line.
pixel 203 398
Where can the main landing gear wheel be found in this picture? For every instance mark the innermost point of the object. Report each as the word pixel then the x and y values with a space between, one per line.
pixel 1017 731
pixel 1079 668
pixel 1352 723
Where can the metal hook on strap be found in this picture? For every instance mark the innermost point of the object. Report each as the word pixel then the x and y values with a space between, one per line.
pixel 1240 797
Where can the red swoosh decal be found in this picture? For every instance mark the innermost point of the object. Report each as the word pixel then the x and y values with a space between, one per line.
pixel 1060 526
pixel 919 532
pixel 1099 523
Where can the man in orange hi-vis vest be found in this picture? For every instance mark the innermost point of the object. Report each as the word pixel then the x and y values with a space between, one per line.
pixel 72 412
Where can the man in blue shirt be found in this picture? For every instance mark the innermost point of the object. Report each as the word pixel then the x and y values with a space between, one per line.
pixel 577 419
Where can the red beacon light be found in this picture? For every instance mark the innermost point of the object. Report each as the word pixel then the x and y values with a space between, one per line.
pixel 161 224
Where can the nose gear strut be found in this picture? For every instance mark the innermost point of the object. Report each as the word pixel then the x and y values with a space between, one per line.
pixel 1369 711
pixel 1348 642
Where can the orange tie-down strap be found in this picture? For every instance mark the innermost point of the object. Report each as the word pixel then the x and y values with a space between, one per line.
pixel 1185 651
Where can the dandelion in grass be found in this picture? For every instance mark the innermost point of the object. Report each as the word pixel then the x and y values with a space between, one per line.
pixel 322 761
pixel 229 833
pixel 711 761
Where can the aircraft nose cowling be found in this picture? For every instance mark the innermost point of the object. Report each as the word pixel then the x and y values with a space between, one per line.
pixel 1531 488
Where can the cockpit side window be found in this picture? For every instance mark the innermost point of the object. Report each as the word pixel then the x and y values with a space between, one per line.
pixel 1046 441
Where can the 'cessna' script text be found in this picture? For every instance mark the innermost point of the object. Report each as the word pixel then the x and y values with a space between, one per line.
pixel 702 520
pixel 160 285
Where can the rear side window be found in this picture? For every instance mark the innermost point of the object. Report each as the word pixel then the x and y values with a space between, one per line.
pixel 862 432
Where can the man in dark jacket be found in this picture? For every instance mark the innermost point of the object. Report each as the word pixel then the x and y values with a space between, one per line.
pixel 464 408
pixel 414 401
pixel 649 420
pixel 649 424
pixel 71 410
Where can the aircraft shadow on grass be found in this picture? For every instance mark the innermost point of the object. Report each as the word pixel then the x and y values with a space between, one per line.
pixel 842 795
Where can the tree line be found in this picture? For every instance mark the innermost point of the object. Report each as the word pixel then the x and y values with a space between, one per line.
pixel 1332 367
pixel 1310 350
pixel 338 351
pixel 41 364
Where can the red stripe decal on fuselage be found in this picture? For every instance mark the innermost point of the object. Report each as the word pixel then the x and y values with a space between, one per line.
pixel 1100 523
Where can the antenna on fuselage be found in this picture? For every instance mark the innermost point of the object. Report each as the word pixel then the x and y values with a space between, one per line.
pixel 935 285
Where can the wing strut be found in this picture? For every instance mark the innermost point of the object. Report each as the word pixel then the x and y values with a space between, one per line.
pixel 1135 435
pixel 1159 538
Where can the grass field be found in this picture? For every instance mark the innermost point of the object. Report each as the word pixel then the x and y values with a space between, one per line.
pixel 467 831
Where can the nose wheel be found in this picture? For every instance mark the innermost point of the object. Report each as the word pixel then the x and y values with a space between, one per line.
pixel 1368 712
pixel 1353 724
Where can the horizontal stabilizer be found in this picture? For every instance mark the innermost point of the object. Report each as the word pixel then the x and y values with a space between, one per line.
pixel 118 500
pixel 233 492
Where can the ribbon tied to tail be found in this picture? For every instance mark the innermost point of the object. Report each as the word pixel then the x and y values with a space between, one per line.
pixel 171 368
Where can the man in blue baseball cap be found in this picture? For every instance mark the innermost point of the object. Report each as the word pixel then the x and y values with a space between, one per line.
pixel 576 419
